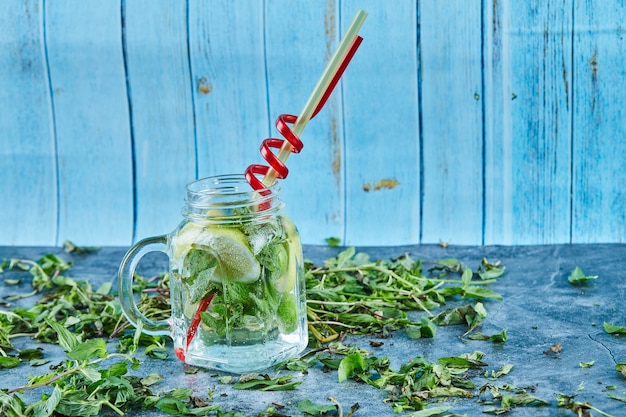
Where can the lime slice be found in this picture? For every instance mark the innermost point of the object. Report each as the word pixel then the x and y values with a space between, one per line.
pixel 228 246
pixel 235 260
pixel 182 241
pixel 292 246
pixel 287 314
pixel 287 280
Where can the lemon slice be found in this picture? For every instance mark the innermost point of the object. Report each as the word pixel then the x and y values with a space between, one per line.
pixel 235 260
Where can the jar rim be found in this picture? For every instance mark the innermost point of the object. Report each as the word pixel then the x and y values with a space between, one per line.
pixel 224 199
pixel 227 184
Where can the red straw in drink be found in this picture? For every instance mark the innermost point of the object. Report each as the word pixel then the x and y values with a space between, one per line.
pixel 291 143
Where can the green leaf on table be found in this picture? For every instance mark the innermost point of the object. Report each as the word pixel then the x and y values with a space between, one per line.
pixel 67 340
pixel 9 362
pixel 38 362
pixel 578 277
pixel 156 351
pixel 613 329
pixel 265 383
pixel 425 328
pixel 308 407
pixel 466 360
pixel 226 379
pixel 47 407
pixel 498 337
pixel 78 407
pixel 51 262
pixel 350 365
pixel 472 315
pixel 494 338
pixel 466 277
pixel 69 247
pixel 180 393
pixel 117 369
pixel 621 368
pixel 171 406
pixel 151 379
pixel 586 364
pixel 522 400
pixel 477 292
pixel 30 354
pixel 448 265
pixel 91 349
pixel 489 270
pixel 343 259
pixel 504 370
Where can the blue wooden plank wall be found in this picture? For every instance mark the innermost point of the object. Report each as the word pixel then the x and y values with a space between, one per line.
pixel 460 121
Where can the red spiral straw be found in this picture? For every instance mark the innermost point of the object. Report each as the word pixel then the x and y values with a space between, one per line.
pixel 282 125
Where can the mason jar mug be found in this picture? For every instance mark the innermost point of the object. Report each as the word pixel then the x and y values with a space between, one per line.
pixel 236 274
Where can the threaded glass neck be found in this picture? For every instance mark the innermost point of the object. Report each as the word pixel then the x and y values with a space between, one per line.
pixel 229 199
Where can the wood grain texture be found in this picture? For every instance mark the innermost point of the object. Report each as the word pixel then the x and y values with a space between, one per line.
pixel 541 82
pixel 381 124
pixel 91 121
pixel 599 140
pixel 452 136
pixel 528 79
pixel 465 121
pixel 299 42
pixel 162 112
pixel 226 46
pixel 28 176
pixel 498 130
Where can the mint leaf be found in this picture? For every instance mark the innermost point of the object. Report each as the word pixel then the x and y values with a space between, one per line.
pixel 9 362
pixel 425 328
pixel 480 293
pixel 47 407
pixel 499 337
pixel 466 360
pixel 265 383
pixel 308 407
pixel 350 365
pixel 495 338
pixel 67 340
pixel 613 329
pixel 91 349
pixel 577 277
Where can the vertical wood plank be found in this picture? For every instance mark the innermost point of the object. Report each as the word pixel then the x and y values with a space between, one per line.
pixel 92 122
pixel 28 207
pixel 450 35
pixel 382 127
pixel 162 111
pixel 299 42
pixel 226 45
pixel 599 142
pixel 540 46
pixel 498 129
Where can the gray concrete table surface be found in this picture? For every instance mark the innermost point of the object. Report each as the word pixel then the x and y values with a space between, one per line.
pixel 539 309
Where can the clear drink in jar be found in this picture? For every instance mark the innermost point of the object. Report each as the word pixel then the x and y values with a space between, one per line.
pixel 238 299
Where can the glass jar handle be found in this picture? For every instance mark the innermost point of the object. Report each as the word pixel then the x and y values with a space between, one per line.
pixel 125 278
